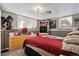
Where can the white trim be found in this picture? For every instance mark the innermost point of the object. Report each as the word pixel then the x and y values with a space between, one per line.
pixel 4 49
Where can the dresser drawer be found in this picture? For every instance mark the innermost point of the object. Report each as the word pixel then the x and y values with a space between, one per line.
pixel 16 42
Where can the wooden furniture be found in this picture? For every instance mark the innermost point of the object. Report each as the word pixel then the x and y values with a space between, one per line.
pixel 16 42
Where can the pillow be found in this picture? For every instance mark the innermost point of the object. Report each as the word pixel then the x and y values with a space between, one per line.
pixel 25 30
pixel 47 36
pixel 72 39
pixel 73 33
pixel 11 34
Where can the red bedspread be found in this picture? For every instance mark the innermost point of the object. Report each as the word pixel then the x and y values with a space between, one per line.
pixel 50 45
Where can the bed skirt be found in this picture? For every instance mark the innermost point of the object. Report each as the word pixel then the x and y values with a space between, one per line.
pixel 34 51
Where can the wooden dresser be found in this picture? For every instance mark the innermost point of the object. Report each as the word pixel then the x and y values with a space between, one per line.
pixel 16 42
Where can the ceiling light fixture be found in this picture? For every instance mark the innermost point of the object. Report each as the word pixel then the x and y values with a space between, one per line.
pixel 38 9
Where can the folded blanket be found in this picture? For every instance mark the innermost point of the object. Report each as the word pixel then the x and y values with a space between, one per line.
pixel 73 33
pixel 74 39
pixel 71 42
pixel 72 36
pixel 71 47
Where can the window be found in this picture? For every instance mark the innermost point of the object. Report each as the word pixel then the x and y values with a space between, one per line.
pixel 65 23
pixel 26 22
pixel 21 25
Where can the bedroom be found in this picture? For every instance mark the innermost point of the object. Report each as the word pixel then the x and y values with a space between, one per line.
pixel 39 29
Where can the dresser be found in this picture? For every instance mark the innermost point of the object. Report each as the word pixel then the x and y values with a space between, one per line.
pixel 16 42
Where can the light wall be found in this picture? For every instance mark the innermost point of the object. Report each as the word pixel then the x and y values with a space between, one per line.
pixel 28 22
pixel 0 32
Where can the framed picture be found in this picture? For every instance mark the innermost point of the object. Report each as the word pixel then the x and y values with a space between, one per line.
pixel 6 23
pixel 53 24
pixel 76 20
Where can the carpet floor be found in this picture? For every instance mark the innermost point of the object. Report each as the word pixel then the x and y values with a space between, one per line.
pixel 19 52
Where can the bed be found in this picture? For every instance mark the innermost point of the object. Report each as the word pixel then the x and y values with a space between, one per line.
pixel 50 45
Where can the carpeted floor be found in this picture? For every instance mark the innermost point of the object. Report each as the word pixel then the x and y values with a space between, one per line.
pixel 18 52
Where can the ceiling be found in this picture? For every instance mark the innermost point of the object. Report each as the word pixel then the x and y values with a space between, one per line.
pixel 27 9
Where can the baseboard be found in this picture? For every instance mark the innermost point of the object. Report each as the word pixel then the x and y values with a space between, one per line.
pixel 4 50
